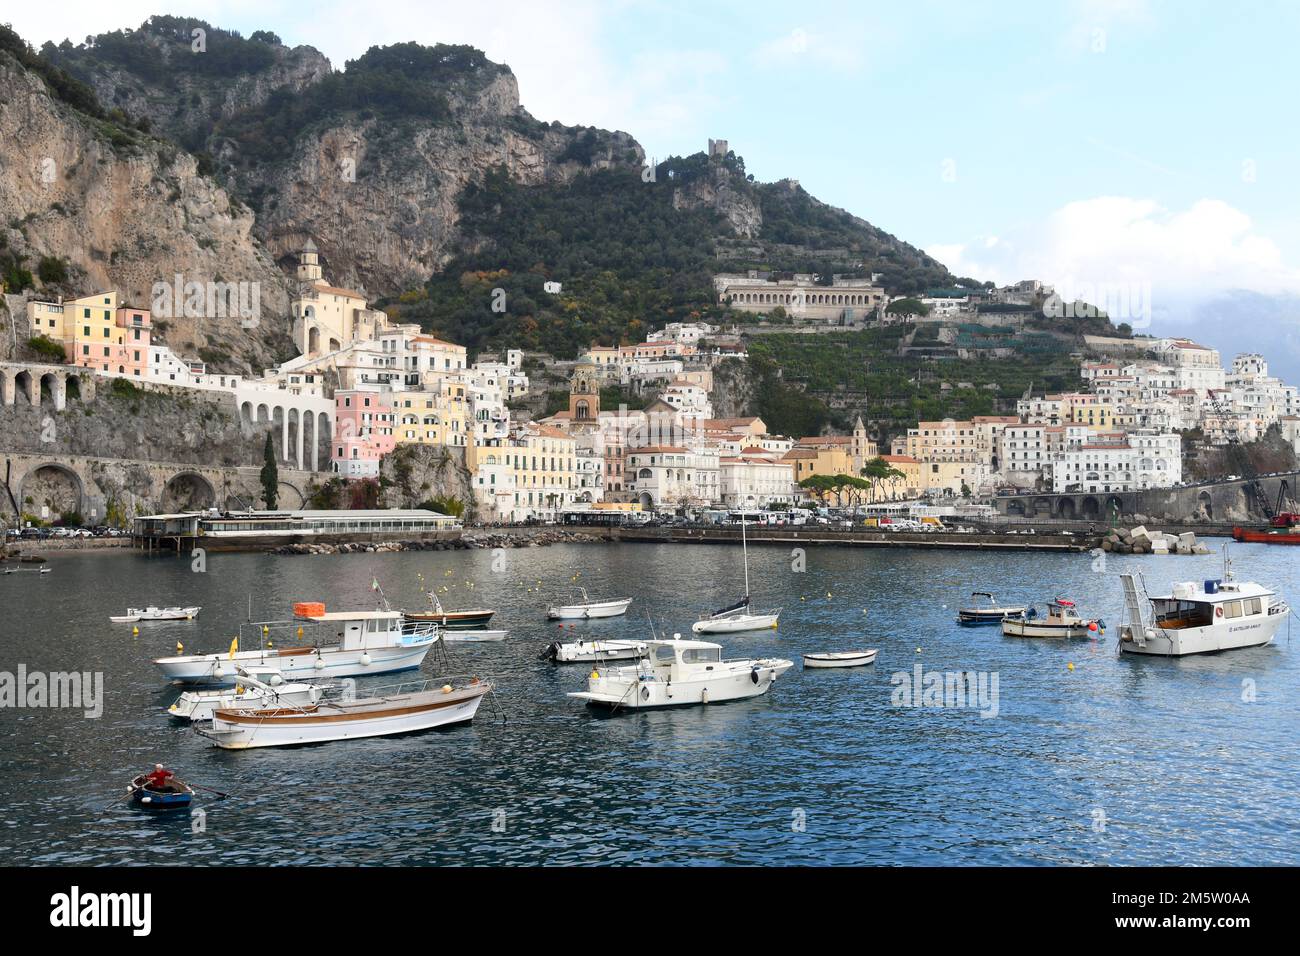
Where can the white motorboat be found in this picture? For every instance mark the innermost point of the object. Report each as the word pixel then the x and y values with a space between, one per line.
pixel 587 608
pixel 402 709
pixel 1216 615
pixel 472 637
pixel 589 651
pixel 152 613
pixel 315 645
pixel 740 616
pixel 1061 620
pixel 840 659
pixel 679 673
pixel 251 692
pixel 991 613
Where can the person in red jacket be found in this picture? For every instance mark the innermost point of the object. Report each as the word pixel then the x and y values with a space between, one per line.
pixel 158 778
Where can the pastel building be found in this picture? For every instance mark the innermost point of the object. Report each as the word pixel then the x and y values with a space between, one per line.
pixel 363 432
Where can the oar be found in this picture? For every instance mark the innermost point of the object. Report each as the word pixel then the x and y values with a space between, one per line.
pixel 117 801
pixel 219 794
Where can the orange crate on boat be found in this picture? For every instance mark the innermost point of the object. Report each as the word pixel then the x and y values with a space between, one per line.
pixel 309 609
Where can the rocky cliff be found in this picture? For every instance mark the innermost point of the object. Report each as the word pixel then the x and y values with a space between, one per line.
pixel 125 211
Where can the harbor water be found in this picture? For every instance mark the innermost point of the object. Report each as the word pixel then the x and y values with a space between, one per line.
pixel 1113 761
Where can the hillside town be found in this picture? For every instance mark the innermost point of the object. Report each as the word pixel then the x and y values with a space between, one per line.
pixel 362 385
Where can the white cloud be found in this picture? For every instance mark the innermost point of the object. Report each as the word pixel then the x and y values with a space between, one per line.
pixel 1184 255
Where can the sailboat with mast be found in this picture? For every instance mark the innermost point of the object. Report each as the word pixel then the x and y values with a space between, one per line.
pixel 740 616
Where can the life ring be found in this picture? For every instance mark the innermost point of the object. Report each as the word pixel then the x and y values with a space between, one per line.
pixel 1218 610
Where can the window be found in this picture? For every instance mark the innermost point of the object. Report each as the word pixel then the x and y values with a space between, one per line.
pixel 1232 609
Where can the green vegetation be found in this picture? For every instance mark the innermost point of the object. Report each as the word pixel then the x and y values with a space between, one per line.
pixel 444 504
pixel 46 348
pixel 864 372
pixel 124 388
pixel 52 269
pixel 269 475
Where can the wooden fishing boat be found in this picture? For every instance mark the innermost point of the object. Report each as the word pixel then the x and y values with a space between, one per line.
pixel 1061 620
pixel 840 659
pixel 173 795
pixel 449 620
pixel 403 709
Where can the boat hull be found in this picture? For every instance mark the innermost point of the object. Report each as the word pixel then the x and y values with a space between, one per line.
pixel 1265 536
pixel 981 617
pixel 147 799
pixel 623 688
pixel 1250 632
pixel 199 705
pixel 219 670
pixel 466 636
pixel 573 612
pixel 737 624
pixel 399 714
pixel 1012 627
pixel 451 620
pixel 596 651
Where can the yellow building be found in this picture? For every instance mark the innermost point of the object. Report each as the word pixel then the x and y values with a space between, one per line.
pixel 97 331
pixel 820 459
pixel 435 416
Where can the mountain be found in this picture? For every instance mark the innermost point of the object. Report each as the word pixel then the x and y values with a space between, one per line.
pixel 93 202
pixel 423 181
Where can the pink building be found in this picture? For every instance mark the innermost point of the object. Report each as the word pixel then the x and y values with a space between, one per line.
pixel 364 432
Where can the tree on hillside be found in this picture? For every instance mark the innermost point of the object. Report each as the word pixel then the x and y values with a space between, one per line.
pixel 270 475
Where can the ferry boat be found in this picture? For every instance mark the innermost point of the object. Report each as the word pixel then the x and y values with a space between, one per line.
pixel 682 673
pixel 345 643
pixel 1061 620
pixel 153 613
pixel 402 709
pixel 1215 615
pixel 587 651
pixel 266 689
pixel 992 613
pixel 587 608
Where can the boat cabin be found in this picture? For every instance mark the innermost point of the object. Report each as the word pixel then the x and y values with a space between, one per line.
pixel 680 659
pixel 1192 605
pixel 359 629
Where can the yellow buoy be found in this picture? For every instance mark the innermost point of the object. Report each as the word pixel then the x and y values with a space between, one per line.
pixel 300 630
pixel 446 688
pixel 180 648
pixel 828 593
pixel 595 675
pixel 1070 665
pixel 265 629
pixel 135 630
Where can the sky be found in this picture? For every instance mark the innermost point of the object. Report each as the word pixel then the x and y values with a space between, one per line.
pixel 1147 148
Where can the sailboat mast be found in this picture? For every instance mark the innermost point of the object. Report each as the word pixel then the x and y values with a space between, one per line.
pixel 744 550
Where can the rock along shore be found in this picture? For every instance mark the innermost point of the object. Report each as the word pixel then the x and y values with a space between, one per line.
pixel 513 538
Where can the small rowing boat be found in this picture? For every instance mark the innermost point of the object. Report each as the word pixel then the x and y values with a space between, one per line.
pixel 153 613
pixel 587 608
pixel 171 794
pixel 840 659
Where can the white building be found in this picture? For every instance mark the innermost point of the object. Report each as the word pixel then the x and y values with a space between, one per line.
pixel 666 476
pixel 1145 460
pixel 755 481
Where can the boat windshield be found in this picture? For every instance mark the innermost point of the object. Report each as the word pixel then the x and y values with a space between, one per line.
pixel 1172 614
pixel 702 655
